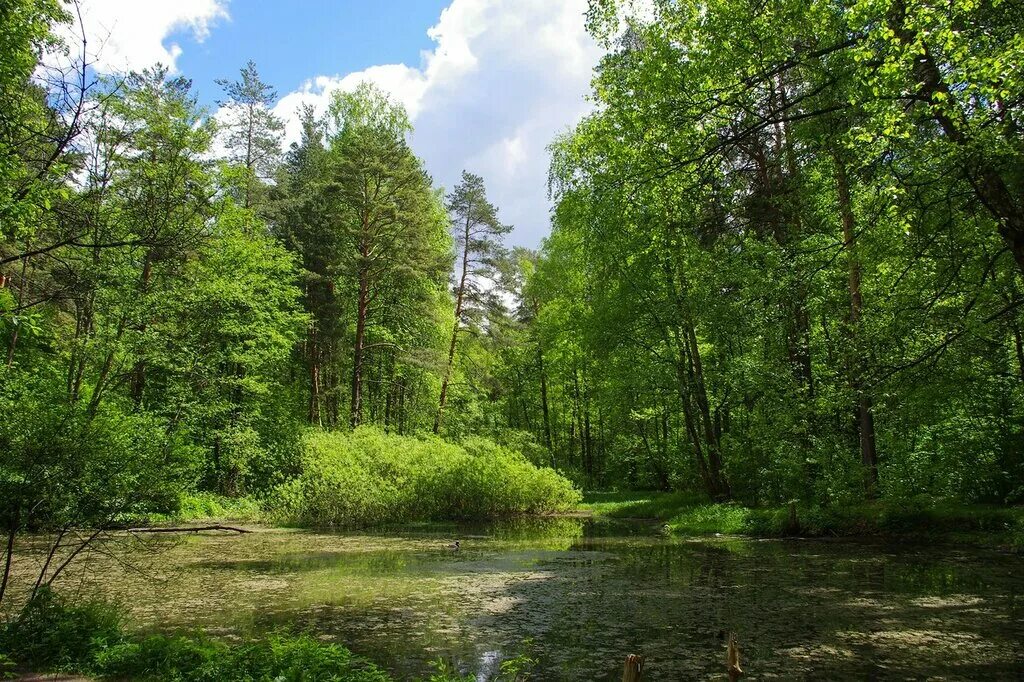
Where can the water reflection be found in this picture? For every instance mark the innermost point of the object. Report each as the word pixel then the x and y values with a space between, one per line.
pixel 587 594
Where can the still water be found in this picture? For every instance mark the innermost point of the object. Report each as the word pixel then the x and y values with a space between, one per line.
pixel 579 595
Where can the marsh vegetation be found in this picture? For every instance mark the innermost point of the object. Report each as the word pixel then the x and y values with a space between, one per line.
pixel 577 595
pixel 782 289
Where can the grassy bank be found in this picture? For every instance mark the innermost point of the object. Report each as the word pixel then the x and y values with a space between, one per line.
pixel 686 514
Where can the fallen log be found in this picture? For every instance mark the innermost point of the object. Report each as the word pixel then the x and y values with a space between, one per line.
pixel 187 529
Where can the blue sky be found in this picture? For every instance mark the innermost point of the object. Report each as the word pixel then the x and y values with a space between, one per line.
pixel 488 83
pixel 293 41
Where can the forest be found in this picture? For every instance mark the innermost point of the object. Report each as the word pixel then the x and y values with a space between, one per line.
pixel 781 293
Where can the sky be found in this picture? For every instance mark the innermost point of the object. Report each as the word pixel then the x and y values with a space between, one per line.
pixel 488 83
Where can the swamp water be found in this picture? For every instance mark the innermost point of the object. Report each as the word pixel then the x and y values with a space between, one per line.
pixel 579 595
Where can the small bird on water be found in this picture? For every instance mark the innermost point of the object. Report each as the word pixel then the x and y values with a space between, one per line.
pixel 455 546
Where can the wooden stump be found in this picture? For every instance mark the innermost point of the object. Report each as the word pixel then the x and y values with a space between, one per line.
pixel 633 669
pixel 733 659
pixel 793 522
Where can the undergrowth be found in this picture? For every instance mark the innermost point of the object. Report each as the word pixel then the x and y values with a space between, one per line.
pixel 370 477
pixel 52 634
pixel 686 514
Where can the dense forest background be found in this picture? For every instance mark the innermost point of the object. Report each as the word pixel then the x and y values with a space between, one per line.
pixel 785 262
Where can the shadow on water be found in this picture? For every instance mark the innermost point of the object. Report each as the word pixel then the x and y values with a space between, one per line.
pixel 585 594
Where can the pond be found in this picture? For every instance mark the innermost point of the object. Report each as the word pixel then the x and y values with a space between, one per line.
pixel 580 595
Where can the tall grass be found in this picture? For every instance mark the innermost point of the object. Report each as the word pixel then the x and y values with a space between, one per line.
pixel 367 477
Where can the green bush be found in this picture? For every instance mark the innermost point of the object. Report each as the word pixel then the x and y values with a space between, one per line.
pixel 51 634
pixel 7 667
pixel 279 658
pixel 368 476
pixel 63 465
pixel 205 505
pixel 712 518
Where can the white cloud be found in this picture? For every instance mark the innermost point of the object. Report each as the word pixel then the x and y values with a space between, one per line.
pixel 131 34
pixel 405 84
pixel 504 77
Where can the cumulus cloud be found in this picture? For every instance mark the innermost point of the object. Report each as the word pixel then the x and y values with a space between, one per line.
pixel 132 34
pixel 504 77
pixel 405 84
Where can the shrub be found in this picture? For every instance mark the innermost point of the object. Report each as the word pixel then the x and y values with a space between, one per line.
pixel 205 505
pixel 51 634
pixel 280 658
pixel 368 476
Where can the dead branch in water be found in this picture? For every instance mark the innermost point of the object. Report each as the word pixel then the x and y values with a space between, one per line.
pixel 187 529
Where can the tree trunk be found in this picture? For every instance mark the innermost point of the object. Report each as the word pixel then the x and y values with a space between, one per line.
pixel 389 398
pixel 865 414
pixel 9 553
pixel 459 297
pixel 108 365
pixel 138 379
pixel 77 361
pixel 548 441
pixel 714 450
pixel 1018 344
pixel 587 438
pixel 358 348
pixel 22 285
pixel 693 392
pixel 801 318
pixel 313 358
pixel 249 161
pixel 401 407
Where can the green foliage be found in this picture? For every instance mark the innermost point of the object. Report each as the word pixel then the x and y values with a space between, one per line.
pixel 786 256
pixel 785 264
pixel 67 467
pixel 251 133
pixel 371 477
pixel 278 657
pixel 205 505
pixel 232 320
pixel 31 173
pixel 636 505
pixel 919 517
pixel 478 236
pixel 447 671
pixel 355 204
pixel 52 634
pixel 518 668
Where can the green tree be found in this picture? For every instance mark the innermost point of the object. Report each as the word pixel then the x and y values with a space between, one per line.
pixel 478 241
pixel 389 215
pixel 253 133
